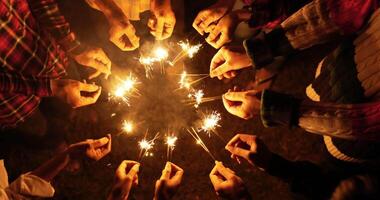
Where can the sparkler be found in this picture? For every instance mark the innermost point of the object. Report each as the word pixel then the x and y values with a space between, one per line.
pixel 126 88
pixel 183 82
pixel 127 126
pixel 187 49
pixel 199 141
pixel 147 145
pixel 211 122
pixel 159 55
pixel 170 142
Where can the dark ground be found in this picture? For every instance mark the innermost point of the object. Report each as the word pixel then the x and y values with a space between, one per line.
pixel 159 109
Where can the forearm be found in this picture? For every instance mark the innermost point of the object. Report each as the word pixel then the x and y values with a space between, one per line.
pixel 349 121
pixel 52 167
pixel 17 84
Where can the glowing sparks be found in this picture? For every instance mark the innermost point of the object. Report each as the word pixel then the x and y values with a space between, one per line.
pixel 127 127
pixel 160 54
pixel 211 122
pixel 170 141
pixel 184 82
pixel 190 50
pixel 126 88
pixel 198 95
pixel 146 145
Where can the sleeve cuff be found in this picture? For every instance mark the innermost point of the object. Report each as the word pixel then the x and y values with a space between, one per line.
pixel 278 109
pixel 71 44
pixel 30 185
pixel 42 87
pixel 264 47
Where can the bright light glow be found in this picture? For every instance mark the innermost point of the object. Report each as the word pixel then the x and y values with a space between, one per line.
pixel 171 140
pixel 198 95
pixel 126 88
pixel 211 122
pixel 183 82
pixel 189 49
pixel 146 145
pixel 160 54
pixel 127 126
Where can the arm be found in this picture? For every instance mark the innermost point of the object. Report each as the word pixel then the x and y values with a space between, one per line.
pixel 14 83
pixel 349 121
pixel 318 22
pixel 48 15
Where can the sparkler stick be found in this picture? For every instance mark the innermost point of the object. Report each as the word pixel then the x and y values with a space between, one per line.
pixel 199 141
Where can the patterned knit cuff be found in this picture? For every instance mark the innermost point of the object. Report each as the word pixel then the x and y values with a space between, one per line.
pixel 278 109
pixel 264 47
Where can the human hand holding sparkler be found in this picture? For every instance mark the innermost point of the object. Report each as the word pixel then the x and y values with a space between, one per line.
pixel 227 61
pixel 97 59
pixel 93 149
pixel 227 184
pixel 168 184
pixel 211 15
pixel 75 93
pixel 126 176
pixel 250 148
pixel 163 20
pixel 223 32
pixel 245 104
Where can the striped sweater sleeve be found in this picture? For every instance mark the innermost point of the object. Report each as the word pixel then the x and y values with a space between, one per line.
pixel 348 121
pixel 18 84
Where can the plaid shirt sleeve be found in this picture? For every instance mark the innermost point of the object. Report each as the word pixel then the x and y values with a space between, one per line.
pixel 51 19
pixel 18 84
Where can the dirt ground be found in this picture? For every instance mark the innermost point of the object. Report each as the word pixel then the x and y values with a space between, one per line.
pixel 159 109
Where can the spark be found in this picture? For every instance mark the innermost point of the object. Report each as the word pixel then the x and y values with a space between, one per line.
pixel 127 126
pixel 126 88
pixel 146 145
pixel 198 95
pixel 211 122
pixel 170 141
pixel 190 50
pixel 160 54
pixel 184 83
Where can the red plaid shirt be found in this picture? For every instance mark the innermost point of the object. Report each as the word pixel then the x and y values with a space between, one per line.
pixel 29 55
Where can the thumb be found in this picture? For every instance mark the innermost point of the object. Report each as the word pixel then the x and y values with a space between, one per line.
pixel 225 67
pixel 88 87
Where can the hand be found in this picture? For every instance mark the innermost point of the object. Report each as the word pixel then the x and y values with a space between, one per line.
pixel 93 149
pixel 227 61
pixel 126 176
pixel 244 104
pixel 123 34
pixel 75 93
pixel 223 32
pixel 169 182
pixel 250 148
pixel 208 17
pixel 227 184
pixel 97 59
pixel 162 21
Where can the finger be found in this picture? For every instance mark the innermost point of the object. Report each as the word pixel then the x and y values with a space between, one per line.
pixel 151 24
pixel 237 151
pixel 223 39
pixel 168 31
pixel 104 63
pixel 109 144
pixel 211 39
pixel 221 169
pixel 221 69
pixel 88 87
pixel 88 100
pixel 235 96
pixel 215 179
pixel 234 140
pixel 133 39
pixel 166 172
pixel 95 75
pixel 100 142
pixel 230 107
pixel 134 170
pixel 216 61
pixel 159 28
pixel 178 173
pixel 206 23
pixel 197 21
pixel 121 170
